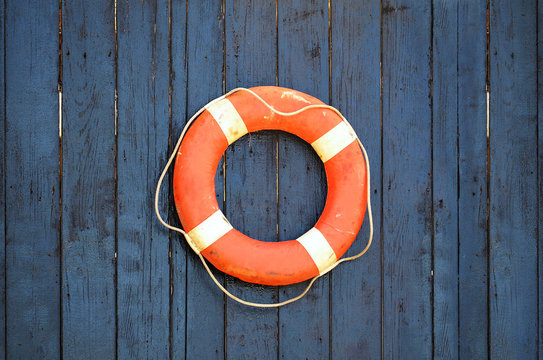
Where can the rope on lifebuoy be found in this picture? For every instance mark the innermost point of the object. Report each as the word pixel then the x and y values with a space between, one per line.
pixel 190 242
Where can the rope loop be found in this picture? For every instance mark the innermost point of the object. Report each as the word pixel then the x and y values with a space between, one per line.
pixel 190 242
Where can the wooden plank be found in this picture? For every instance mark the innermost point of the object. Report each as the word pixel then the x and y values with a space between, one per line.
pixel 205 303
pixel 472 179
pixel 88 180
pixel 303 65
pixel 178 261
pixel 445 179
pixel 251 176
pixel 143 132
pixel 356 286
pixel 540 172
pixel 32 180
pixel 513 180
pixel 407 187
pixel 2 187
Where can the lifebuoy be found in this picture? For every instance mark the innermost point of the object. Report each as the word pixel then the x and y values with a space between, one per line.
pixel 270 263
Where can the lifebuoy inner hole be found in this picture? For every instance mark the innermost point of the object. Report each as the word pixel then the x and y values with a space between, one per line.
pixel 271 185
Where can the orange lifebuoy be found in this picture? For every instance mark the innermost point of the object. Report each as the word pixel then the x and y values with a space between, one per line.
pixel 270 263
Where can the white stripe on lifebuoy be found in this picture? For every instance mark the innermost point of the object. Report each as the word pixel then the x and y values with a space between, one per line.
pixel 209 231
pixel 318 248
pixel 226 115
pixel 335 140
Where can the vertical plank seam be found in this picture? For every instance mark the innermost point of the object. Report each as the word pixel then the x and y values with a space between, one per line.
pixel 488 330
pixel 60 185
pixel 457 185
pixel 223 14
pixel 5 184
pixel 115 163
pixel 276 140
pixel 170 194
pixel 329 101
pixel 186 115
pixel 154 45
pixel 276 290
pixel 277 53
pixel 432 210
pixel 537 174
pixel 156 39
pixel 225 299
pixel 381 221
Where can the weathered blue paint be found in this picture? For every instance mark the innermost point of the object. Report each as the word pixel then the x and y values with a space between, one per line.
pixel 540 172
pixel 251 176
pixel 32 179
pixel 513 180
pixel 428 156
pixel 205 306
pixel 356 286
pixel 472 182
pixel 88 180
pixel 142 150
pixel 178 261
pixel 407 185
pixel 445 179
pixel 2 189
pixel 303 65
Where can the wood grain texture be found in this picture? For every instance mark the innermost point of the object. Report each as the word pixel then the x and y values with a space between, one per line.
pixel 407 192
pixel 251 176
pixel 143 284
pixel 2 187
pixel 88 180
pixel 540 173
pixel 441 206
pixel 513 180
pixel 303 65
pixel 356 286
pixel 205 303
pixel 472 182
pixel 445 179
pixel 178 262
pixel 251 206
pixel 32 180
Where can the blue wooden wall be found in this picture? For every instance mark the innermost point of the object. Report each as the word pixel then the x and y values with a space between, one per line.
pixel 444 94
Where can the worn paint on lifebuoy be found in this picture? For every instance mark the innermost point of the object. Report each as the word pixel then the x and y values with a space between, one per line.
pixel 270 263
